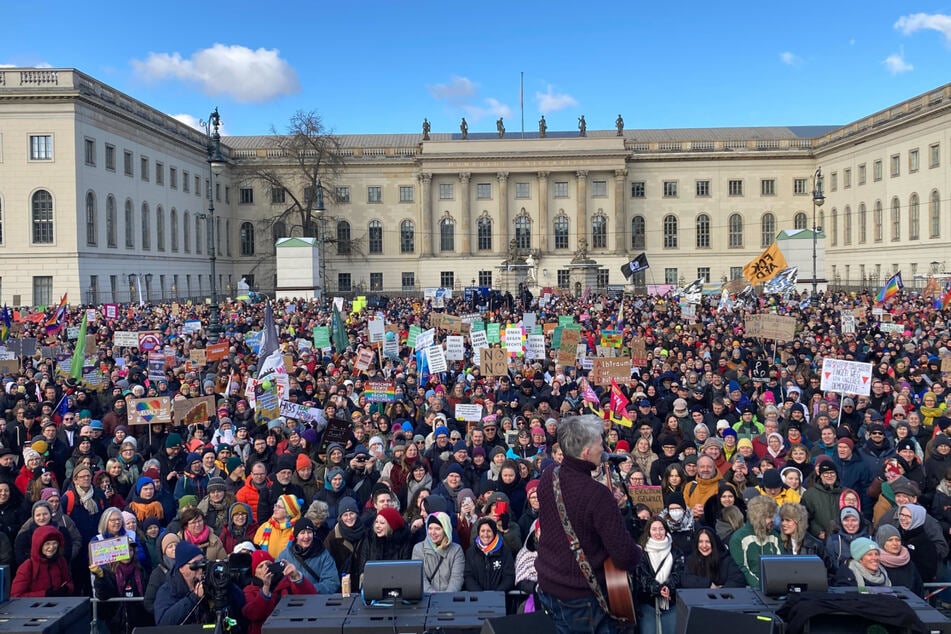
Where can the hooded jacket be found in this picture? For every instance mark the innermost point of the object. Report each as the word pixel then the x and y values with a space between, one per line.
pixel 39 576
pixel 443 569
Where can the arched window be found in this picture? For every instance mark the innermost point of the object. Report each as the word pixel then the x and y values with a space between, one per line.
pixel 703 231
pixel 670 232
pixel 375 231
pixel 768 233
pixel 523 231
pixel 863 224
pixel 278 231
pixel 560 230
pixel 160 228
pixel 835 226
pixel 343 237
pixel 484 229
pixel 146 228
pixel 198 234
pixel 735 224
pixel 173 229
pixel 111 221
pixel 800 221
pixel 599 231
pixel 447 235
pixel 42 208
pixel 934 213
pixel 638 232
pixel 246 238
pixel 90 219
pixel 187 232
pixel 407 237
pixel 896 219
pixel 914 218
pixel 847 225
pixel 878 221
pixel 129 225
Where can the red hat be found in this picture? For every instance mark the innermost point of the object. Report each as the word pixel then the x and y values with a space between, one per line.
pixel 258 556
pixel 846 441
pixel 532 485
pixel 303 462
pixel 392 517
pixel 623 445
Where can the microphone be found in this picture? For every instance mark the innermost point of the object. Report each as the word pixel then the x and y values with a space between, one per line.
pixel 615 458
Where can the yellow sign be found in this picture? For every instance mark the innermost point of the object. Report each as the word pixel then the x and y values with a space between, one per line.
pixel 765 266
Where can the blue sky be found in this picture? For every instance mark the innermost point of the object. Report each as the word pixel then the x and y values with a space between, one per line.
pixel 380 67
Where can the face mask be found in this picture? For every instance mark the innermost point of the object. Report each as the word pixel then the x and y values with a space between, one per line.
pixel 676 514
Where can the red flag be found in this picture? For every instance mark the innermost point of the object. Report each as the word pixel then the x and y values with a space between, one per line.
pixel 619 402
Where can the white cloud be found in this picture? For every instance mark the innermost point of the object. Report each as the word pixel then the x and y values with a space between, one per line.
pixel 896 64
pixel 250 76
pixel 909 24
pixel 33 65
pixel 550 101
pixel 189 120
pixel 463 93
pixel 789 58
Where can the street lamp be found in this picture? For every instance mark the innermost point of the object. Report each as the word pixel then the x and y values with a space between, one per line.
pixel 321 237
pixel 217 164
pixel 817 200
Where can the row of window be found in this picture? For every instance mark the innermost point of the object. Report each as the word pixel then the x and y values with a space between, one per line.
pixel 894 167
pixel 704 189
pixel 878 220
pixel 447 279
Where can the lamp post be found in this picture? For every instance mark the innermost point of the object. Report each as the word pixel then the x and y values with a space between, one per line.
pixel 321 236
pixel 217 164
pixel 817 200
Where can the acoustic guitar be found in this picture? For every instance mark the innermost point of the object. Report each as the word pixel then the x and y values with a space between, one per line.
pixel 620 592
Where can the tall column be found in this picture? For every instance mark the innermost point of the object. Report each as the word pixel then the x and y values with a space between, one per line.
pixel 582 216
pixel 504 229
pixel 620 218
pixel 543 230
pixel 426 219
pixel 465 222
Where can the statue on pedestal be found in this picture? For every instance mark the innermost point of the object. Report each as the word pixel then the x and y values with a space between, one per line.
pixel 582 126
pixel 542 127
pixel 581 255
pixel 619 122
pixel 532 277
pixel 500 127
pixel 464 128
pixel 426 128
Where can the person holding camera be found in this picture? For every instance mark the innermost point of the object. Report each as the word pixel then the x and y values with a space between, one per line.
pixel 187 596
pixel 272 581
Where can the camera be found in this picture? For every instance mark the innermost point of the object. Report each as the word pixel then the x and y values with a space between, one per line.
pixel 277 571
pixel 220 573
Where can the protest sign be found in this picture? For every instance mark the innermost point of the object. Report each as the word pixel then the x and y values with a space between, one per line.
pixel 146 411
pixel 321 336
pixel 846 377
pixel 300 412
pixel 216 351
pixel 414 332
pixel 495 362
pixel 528 321
pixel 469 412
pixel 365 358
pixel 150 340
pixel 513 341
pixel 426 339
pixel 649 496
pixel 535 347
pixel 194 410
pixel 337 431
pixel 452 324
pixel 779 327
pixel 267 402
pixel 380 391
pixel 639 352
pixel 106 551
pixel 569 339
pixel 437 359
pixel 492 331
pixel 377 330
pixel 125 338
pixel 605 369
pixel 455 348
pixel 156 366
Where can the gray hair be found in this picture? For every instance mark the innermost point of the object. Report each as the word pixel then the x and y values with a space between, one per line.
pixel 577 432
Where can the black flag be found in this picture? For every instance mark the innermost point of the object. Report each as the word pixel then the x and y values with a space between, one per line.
pixel 637 264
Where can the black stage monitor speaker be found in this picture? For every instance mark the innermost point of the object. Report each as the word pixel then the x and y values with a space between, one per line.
pixel 393 581
pixel 713 621
pixel 534 623
pixel 781 575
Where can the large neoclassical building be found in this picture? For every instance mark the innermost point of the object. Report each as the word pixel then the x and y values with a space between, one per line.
pixel 102 195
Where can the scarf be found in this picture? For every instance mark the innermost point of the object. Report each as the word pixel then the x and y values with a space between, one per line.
pixel 269 528
pixel 894 561
pixel 200 538
pixel 658 552
pixel 863 576
pixel 129 572
pixel 352 534
pixel 87 499
pixel 492 547
pixel 929 414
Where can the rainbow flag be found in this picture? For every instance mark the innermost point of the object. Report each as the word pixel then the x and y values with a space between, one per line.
pixel 55 322
pixel 943 300
pixel 891 288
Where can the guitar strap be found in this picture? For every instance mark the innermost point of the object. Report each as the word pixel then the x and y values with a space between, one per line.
pixel 575 545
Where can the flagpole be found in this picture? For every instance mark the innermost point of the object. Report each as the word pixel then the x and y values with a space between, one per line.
pixel 521 100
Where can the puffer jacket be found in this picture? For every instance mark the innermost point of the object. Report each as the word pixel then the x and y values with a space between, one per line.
pixel 443 571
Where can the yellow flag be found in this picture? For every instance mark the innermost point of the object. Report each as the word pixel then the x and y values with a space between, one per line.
pixel 765 266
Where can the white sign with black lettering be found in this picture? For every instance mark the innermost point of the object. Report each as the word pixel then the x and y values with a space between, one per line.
pixel 455 348
pixel 535 347
pixel 437 359
pixel 846 377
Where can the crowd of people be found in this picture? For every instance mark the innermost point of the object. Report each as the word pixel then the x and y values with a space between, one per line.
pixel 747 466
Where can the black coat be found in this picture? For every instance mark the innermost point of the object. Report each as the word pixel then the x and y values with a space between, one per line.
pixel 493 572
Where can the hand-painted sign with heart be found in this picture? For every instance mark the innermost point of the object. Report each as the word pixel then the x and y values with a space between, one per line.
pixel 846 377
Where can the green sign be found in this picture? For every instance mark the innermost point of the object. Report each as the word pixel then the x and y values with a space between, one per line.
pixel 492 333
pixel 321 337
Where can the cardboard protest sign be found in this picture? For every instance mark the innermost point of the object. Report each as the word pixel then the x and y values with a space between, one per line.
pixel 216 352
pixel 639 352
pixel 605 369
pixel 194 410
pixel 495 362
pixel 146 411
pixel 649 496
pixel 779 327
pixel 452 324
pixel 846 377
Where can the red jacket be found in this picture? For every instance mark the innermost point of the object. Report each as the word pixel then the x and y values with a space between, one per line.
pixel 257 609
pixel 37 575
pixel 249 495
pixel 23 478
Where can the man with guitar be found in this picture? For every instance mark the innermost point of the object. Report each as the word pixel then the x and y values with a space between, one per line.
pixel 581 528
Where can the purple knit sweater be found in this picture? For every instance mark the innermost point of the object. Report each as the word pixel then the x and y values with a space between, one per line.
pixel 595 517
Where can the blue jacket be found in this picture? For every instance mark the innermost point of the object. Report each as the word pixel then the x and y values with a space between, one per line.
pixel 320 561
pixel 855 473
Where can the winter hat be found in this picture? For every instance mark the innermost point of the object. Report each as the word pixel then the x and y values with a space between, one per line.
pixel 40 446
pixel 441 430
pixel 173 440
pixel 185 552
pixel 532 485
pixel 454 468
pixel 675 497
pixel 292 504
pixel 310 436
pixel 478 451
pixel 772 479
pixel 47 493
pixel 623 445
pixel 346 505
pixel 849 511
pixel 152 473
pixel 826 466
pixel 906 486
pixel 846 441
pixel 29 453
pixel 303 524
pixel 216 484
pixel 286 462
pixel 860 546
pixel 187 500
pixel 392 517
pixel 460 446
pixel 744 442
pixel 192 458
pixel 905 443
pixel 259 556
pixel 469 493
pixel 233 463
pixel 141 482
pixel 729 431
pixel 302 462
pixel 239 507
pixel 886 532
